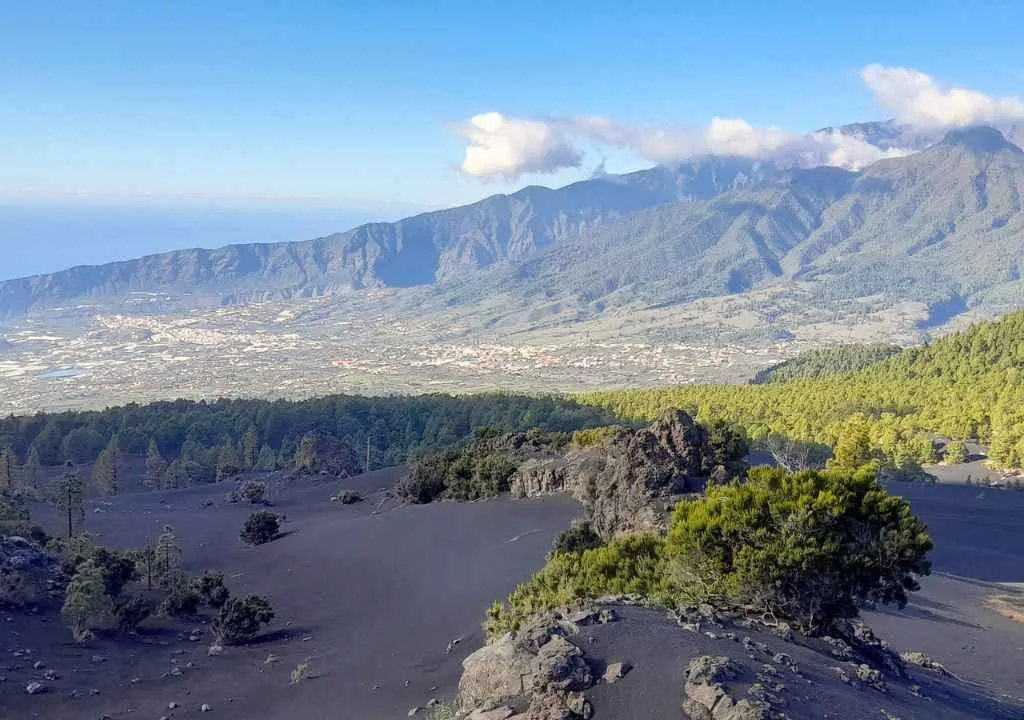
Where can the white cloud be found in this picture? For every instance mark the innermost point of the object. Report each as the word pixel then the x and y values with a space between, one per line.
pixel 918 99
pixel 508 147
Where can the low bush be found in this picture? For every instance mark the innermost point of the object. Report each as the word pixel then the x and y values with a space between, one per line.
pixel 211 588
pixel 591 437
pixel 578 538
pixel 631 564
pixel 240 619
pixel 348 497
pixel 261 527
pixel 251 492
pixel 808 547
pixel 182 600
pixel 129 612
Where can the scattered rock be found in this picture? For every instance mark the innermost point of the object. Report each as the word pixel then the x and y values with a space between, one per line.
pixel 205 708
pixel 215 650
pixel 413 711
pixel 172 705
pixel 498 713
pixel 922 660
pixel 35 688
pixel 616 671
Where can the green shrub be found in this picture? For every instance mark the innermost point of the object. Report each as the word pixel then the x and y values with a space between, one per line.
pixel 631 564
pixel 86 603
pixel 129 612
pixel 578 538
pixel 241 618
pixel 182 600
pixel 118 568
pixel 426 479
pixel 955 452
pixel 251 492
pixel 348 497
pixel 807 547
pixel 261 527
pixel 590 437
pixel 211 588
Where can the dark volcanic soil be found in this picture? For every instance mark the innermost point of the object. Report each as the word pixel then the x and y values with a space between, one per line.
pixel 371 601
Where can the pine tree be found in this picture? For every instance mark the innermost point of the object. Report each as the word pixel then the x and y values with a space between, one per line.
pixel 8 469
pixel 853 449
pixel 228 463
pixel 86 603
pixel 250 449
pixel 147 562
pixel 176 474
pixel 70 496
pixel 155 466
pixel 31 469
pixel 168 557
pixel 267 460
pixel 105 473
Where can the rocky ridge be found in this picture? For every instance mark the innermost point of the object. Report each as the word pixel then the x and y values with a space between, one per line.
pixel 630 481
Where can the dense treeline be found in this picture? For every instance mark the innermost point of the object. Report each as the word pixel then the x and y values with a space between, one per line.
pixel 826 361
pixel 203 437
pixel 965 386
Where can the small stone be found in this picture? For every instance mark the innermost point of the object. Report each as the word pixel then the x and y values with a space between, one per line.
pixel 215 650
pixel 205 708
pixel 35 688
pixel 413 711
pixel 38 665
pixel 172 705
pixel 175 671
pixel 51 675
pixel 94 691
pixel 616 671
pixel 97 659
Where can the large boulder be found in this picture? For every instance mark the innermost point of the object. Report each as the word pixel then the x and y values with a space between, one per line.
pixel 533 662
pixel 26 573
pixel 322 454
pixel 706 696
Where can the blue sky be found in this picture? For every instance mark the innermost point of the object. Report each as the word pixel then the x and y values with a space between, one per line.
pixel 356 109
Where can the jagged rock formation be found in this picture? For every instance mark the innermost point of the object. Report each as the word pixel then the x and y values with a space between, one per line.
pixel 630 482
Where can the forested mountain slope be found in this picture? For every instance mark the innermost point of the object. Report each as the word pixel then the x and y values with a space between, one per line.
pixel 419 250
pixel 825 361
pixel 966 385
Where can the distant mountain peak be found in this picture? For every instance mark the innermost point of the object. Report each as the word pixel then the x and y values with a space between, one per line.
pixel 979 139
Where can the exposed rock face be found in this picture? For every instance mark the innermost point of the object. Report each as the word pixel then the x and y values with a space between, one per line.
pixel 26 573
pixel 629 483
pixel 320 454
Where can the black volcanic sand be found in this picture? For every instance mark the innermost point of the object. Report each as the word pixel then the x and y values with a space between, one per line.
pixel 371 600
pixel 979 553
pixel 660 651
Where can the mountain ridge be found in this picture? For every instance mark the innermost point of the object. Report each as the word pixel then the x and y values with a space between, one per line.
pixel 942 226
